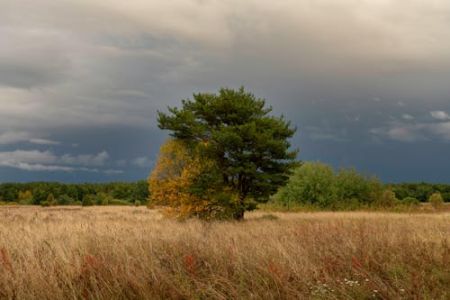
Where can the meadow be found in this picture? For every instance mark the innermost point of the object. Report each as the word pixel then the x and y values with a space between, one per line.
pixel 133 253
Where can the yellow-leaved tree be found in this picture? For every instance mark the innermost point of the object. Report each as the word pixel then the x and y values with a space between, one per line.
pixel 183 182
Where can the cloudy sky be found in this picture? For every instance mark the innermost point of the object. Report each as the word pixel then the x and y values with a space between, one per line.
pixel 367 82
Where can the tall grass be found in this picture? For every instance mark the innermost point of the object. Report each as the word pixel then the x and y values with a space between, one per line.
pixel 131 253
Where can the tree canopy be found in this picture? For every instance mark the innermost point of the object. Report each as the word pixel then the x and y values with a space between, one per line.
pixel 249 146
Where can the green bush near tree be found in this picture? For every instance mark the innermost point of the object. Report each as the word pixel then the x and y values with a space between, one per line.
pixel 315 184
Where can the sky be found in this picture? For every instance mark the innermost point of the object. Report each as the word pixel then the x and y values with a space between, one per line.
pixel 366 82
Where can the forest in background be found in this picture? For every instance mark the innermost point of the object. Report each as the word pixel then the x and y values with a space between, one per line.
pixel 116 193
pixel 54 193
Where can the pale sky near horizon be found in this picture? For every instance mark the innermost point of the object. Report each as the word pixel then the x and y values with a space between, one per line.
pixel 367 82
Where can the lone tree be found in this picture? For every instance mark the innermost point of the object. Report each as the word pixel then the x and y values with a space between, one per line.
pixel 250 147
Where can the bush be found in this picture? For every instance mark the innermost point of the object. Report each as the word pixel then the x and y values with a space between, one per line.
pixel 88 200
pixel 45 204
pixel 316 184
pixel 137 203
pixel 410 201
pixel 436 200
pixel 311 183
pixel 353 189
pixel 65 200
pixel 387 200
pixel 103 199
pixel 25 198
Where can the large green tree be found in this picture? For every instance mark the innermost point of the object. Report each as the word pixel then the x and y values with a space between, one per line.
pixel 250 146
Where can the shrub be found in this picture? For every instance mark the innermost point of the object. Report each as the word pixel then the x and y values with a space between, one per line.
pixel 316 184
pixel 311 183
pixel 45 204
pixel 88 200
pixel 51 199
pixel 436 200
pixel 387 199
pixel 103 199
pixel 137 203
pixel 25 198
pixel 410 201
pixel 65 200
pixel 354 189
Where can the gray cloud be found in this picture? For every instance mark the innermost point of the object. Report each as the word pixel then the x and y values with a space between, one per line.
pixel 36 160
pixel 413 132
pixel 142 162
pixel 44 142
pixel 440 115
pixel 99 61
pixel 342 71
pixel 407 117
pixel 14 137
pixel 85 159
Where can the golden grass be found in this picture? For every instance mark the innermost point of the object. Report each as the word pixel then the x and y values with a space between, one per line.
pixel 132 253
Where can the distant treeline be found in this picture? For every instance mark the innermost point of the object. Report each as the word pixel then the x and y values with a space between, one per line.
pixel 53 193
pixel 116 193
pixel 420 191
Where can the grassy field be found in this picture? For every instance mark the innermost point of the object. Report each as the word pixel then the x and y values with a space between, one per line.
pixel 132 253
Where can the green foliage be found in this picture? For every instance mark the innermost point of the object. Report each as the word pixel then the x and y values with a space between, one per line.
pixel 436 200
pixel 249 146
pixel 25 198
pixel 410 201
pixel 387 199
pixel 67 194
pixel 103 198
pixel 45 203
pixel 354 189
pixel 51 199
pixel 316 184
pixel 421 191
pixel 65 200
pixel 88 200
pixel 311 183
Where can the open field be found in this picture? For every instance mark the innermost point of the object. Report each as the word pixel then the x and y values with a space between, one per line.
pixel 132 253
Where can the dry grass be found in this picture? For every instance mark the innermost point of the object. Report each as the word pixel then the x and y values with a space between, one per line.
pixel 131 253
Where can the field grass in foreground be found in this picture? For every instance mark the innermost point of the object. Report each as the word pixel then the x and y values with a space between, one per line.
pixel 132 253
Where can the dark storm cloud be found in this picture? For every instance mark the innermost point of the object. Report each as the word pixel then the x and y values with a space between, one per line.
pixel 351 74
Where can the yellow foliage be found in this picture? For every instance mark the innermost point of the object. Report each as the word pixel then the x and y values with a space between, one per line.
pixel 170 181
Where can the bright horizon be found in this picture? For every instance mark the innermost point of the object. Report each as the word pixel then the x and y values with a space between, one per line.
pixel 365 82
